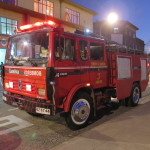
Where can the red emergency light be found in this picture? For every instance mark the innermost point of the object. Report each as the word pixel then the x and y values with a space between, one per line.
pixel 37 24
pixel 26 27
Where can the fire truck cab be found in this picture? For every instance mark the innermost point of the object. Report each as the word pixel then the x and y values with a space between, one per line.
pixel 48 71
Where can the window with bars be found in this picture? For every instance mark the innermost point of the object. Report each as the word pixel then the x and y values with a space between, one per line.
pixel 13 2
pixel 44 6
pixel 7 26
pixel 72 16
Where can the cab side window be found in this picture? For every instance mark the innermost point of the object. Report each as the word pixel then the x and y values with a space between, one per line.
pixel 96 51
pixel 64 48
pixel 83 49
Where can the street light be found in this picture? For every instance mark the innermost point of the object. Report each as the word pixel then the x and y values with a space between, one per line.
pixel 112 18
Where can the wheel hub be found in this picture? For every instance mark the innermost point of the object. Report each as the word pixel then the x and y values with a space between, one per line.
pixel 136 95
pixel 80 111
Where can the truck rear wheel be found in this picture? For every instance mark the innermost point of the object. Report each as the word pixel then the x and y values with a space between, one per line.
pixel 80 112
pixel 135 95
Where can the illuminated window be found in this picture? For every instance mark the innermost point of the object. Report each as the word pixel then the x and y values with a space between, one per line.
pixel 13 2
pixel 7 26
pixel 44 7
pixel 72 16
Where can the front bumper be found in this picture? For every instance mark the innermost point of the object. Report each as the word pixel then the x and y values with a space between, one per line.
pixel 28 104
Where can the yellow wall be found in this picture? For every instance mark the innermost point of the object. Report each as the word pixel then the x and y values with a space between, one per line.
pixel 28 4
pixel 33 20
pixel 86 19
pixel 11 15
pixel 56 8
pixel 68 29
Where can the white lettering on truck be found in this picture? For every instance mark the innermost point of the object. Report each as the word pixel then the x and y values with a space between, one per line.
pixel 32 73
pixel 14 71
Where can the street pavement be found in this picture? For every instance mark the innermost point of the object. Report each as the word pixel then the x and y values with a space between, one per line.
pixel 129 131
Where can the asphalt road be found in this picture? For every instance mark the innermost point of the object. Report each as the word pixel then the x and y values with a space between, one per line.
pixel 20 131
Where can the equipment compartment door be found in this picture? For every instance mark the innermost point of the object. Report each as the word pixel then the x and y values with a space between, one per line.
pixel 124 78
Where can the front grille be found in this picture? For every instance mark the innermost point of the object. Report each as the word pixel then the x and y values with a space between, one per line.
pixel 28 98
pixel 22 86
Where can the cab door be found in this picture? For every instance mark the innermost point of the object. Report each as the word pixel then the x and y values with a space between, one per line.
pixel 66 65
pixel 98 66
pixel 83 46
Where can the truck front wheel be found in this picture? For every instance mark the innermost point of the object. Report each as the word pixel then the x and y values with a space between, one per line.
pixel 80 112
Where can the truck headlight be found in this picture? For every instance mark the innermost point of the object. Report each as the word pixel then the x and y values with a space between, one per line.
pixel 28 88
pixel 41 92
pixel 6 85
pixel 11 84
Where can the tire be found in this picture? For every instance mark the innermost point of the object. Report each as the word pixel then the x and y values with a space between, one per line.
pixel 81 111
pixel 133 100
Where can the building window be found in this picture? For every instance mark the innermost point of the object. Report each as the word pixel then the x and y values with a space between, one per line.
pixel 134 36
pixel 116 30
pixel 13 2
pixel 130 33
pixel 44 7
pixel 7 26
pixel 72 16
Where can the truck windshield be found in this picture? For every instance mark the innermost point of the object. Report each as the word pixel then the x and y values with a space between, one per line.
pixel 29 49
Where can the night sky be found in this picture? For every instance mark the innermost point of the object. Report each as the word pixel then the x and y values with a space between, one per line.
pixel 135 11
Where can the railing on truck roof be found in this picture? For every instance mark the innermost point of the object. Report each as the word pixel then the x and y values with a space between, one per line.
pixel 111 46
pixel 115 47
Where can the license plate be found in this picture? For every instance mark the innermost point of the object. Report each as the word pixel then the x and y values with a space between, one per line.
pixel 4 98
pixel 42 111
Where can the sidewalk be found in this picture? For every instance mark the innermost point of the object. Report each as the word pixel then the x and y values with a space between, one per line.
pixel 129 131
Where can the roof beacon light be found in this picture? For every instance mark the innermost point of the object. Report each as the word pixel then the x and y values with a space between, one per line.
pixel 25 27
pixel 50 23
pixel 37 24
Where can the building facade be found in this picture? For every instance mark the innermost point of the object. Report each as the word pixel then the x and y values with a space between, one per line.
pixel 14 13
pixel 123 32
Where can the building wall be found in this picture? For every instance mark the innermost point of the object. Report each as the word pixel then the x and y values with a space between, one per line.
pixel 126 34
pixel 56 8
pixel 86 19
pixel 12 15
pixel 117 38
pixel 28 4
pixel 26 16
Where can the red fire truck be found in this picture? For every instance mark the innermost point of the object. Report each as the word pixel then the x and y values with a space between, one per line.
pixel 48 71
